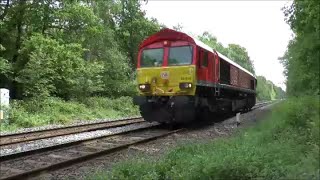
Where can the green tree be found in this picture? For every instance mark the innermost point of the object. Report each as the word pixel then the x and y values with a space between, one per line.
pixel 301 60
pixel 4 64
pixel 133 27
pixel 212 41
pixel 266 90
pixel 97 39
pixel 233 51
pixel 240 55
pixel 178 27
pixel 56 69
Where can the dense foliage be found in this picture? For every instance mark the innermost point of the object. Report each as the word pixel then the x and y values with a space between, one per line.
pixel 51 110
pixel 266 90
pixel 301 59
pixel 54 50
pixel 70 48
pixel 73 49
pixel 284 146
pixel 234 51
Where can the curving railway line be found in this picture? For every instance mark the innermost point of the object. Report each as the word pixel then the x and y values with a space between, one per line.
pixel 31 163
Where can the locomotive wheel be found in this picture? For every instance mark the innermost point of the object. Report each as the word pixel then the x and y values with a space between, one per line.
pixel 246 109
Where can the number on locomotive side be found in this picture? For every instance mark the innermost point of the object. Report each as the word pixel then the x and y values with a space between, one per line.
pixel 185 78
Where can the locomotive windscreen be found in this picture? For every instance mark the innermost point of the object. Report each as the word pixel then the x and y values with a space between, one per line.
pixel 152 57
pixel 181 55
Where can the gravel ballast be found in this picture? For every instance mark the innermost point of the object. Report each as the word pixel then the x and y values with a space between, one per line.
pixel 37 144
pixel 53 126
pixel 155 149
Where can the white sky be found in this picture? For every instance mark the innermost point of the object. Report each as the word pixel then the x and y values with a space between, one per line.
pixel 258 26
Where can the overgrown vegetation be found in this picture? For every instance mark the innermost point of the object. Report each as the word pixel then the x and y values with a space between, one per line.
pixel 283 146
pixel 57 56
pixel 266 90
pixel 66 52
pixel 76 49
pixel 301 59
pixel 70 49
pixel 37 112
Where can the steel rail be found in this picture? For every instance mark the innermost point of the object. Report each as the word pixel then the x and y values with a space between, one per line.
pixel 143 138
pixel 63 145
pixel 261 104
pixel 15 138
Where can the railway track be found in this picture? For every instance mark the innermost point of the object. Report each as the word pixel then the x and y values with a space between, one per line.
pixel 67 130
pixel 33 162
pixel 15 138
pixel 261 104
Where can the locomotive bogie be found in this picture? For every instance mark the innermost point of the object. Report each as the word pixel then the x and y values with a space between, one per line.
pixel 165 109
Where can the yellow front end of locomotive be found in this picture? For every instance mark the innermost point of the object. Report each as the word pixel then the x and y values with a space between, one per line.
pixel 166 81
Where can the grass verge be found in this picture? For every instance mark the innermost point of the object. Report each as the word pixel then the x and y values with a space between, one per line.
pixel 284 146
pixel 38 112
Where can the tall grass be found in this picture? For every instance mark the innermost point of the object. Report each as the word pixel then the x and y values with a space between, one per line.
pixel 283 146
pixel 37 112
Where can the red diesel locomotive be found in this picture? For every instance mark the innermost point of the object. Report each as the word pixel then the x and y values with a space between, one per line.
pixel 181 79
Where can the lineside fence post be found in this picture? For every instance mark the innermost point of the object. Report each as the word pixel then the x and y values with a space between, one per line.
pixel 238 119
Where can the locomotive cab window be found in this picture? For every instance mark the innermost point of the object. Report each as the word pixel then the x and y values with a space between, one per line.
pixel 152 57
pixel 181 55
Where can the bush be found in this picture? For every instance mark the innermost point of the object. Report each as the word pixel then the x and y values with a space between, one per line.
pixel 286 146
pixel 52 68
pixel 123 105
pixel 44 111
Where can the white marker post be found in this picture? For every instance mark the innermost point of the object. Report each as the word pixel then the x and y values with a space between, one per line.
pixel 4 102
pixel 238 119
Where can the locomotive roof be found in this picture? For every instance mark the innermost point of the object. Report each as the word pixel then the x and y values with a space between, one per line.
pixel 208 48
pixel 234 63
pixel 168 33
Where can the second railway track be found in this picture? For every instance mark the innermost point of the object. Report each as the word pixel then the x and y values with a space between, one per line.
pixel 68 154
pixel 62 131
pixel 73 129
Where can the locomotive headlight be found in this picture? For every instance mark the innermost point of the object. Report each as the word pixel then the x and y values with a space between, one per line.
pixel 144 87
pixel 185 85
